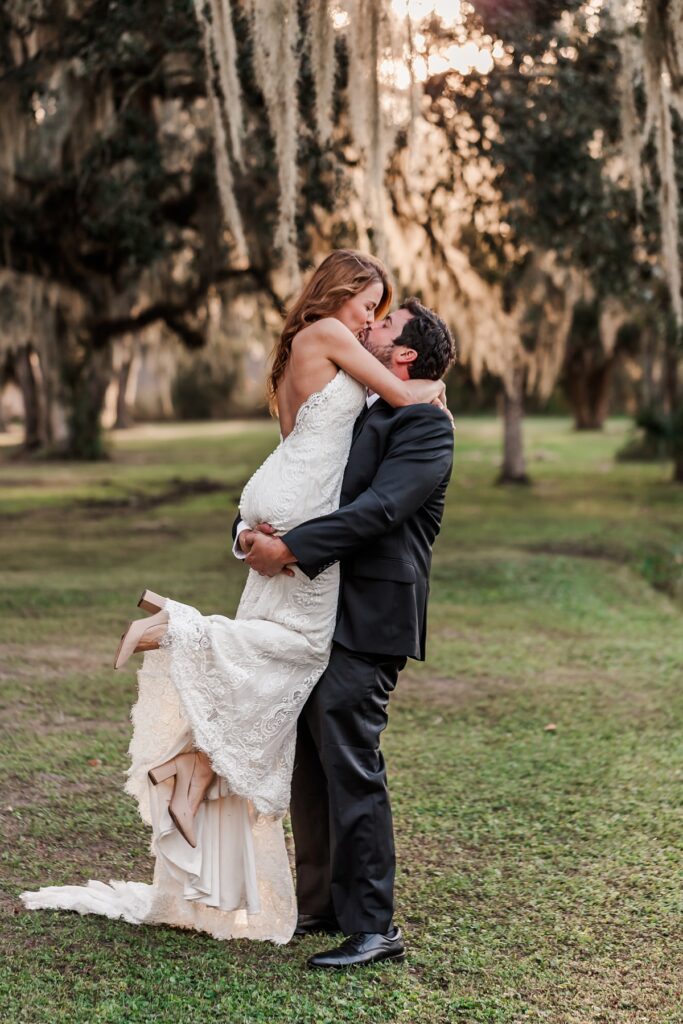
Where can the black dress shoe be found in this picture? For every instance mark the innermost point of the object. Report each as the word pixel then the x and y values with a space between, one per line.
pixel 361 949
pixel 309 924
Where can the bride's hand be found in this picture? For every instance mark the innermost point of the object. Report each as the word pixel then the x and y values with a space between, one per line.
pixel 432 392
pixel 440 403
pixel 426 391
pixel 245 540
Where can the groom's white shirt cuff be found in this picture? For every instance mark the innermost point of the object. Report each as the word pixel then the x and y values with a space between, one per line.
pixel 236 549
pixel 241 526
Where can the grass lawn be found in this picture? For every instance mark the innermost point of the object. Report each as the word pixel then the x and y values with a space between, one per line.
pixel 539 868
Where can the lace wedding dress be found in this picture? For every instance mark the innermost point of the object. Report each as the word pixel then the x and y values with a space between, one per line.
pixel 234 688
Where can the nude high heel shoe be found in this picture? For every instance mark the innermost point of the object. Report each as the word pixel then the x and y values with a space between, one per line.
pixel 141 635
pixel 193 776
pixel 151 602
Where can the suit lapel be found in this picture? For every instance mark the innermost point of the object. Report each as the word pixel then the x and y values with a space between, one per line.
pixel 362 419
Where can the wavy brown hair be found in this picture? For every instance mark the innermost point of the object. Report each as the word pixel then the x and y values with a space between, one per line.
pixel 341 275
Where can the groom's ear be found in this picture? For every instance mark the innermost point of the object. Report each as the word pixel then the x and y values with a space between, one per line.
pixel 406 355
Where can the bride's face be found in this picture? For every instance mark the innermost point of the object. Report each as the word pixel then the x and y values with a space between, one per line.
pixel 358 312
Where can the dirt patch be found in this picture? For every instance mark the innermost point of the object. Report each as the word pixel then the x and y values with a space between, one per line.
pixel 37 676
pixel 34 482
pixel 41 721
pixel 445 692
pixel 136 501
pixel 582 549
pixel 602 690
pixel 43 662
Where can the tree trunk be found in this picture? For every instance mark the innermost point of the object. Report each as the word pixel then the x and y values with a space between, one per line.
pixel 30 378
pixel 53 385
pixel 649 345
pixel 678 468
pixel 588 392
pixel 128 354
pixel 86 385
pixel 6 367
pixel 123 418
pixel 670 379
pixel 602 390
pixel 513 470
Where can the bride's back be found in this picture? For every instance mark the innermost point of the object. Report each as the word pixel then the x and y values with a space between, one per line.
pixel 302 478
pixel 308 371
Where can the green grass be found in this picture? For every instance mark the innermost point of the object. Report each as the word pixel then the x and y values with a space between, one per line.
pixel 539 869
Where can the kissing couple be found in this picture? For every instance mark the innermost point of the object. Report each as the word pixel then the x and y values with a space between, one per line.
pixel 282 707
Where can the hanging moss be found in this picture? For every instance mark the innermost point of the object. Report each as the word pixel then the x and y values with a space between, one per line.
pixel 652 53
pixel 275 32
pixel 218 41
pixel 322 51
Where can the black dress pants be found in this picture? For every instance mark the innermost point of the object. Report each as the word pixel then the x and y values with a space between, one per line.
pixel 341 815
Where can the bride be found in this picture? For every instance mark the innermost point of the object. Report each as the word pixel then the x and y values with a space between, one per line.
pixel 214 726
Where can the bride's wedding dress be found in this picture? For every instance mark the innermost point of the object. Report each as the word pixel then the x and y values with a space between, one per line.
pixel 234 688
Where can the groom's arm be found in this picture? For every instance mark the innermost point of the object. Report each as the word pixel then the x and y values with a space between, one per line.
pixel 418 459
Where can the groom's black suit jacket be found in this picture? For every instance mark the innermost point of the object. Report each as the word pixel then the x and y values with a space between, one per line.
pixel 391 505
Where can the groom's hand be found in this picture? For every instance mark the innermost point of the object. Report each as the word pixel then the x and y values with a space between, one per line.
pixel 246 537
pixel 269 555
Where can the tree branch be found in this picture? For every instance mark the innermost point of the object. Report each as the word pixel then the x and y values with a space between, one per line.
pixel 172 312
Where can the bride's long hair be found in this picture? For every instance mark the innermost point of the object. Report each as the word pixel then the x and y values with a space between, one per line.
pixel 341 275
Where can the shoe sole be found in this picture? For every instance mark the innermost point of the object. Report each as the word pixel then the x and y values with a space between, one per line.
pixel 180 829
pixel 395 958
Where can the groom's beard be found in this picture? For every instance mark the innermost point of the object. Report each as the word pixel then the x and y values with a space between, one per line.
pixel 381 352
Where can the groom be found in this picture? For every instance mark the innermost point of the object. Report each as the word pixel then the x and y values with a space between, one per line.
pixel 390 512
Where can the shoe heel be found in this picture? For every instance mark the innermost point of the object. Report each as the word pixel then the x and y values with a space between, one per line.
pixel 141 635
pixel 118 649
pixel 162 772
pixel 150 601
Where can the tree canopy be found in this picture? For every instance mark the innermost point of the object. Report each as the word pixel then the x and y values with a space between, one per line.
pixel 516 163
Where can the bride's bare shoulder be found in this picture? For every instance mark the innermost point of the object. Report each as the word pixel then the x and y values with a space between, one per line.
pixel 322 331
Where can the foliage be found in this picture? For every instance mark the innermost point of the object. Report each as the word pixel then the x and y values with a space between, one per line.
pixel 544 123
pixel 102 207
pixel 112 216
pixel 202 392
pixel 665 430
pixel 527 174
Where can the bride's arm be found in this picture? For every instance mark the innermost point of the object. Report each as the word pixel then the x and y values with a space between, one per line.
pixel 342 347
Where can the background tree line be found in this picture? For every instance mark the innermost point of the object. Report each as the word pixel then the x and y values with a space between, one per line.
pixel 166 171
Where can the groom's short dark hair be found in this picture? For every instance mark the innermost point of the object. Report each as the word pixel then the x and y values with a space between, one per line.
pixel 429 335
